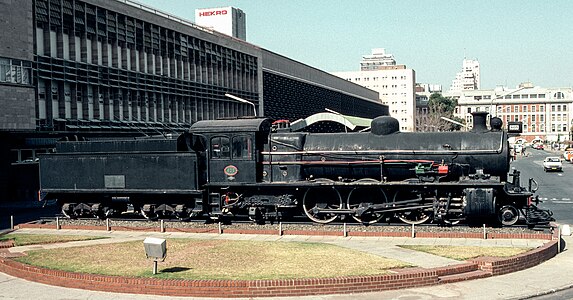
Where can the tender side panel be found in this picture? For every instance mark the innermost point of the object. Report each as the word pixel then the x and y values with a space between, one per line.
pixel 129 172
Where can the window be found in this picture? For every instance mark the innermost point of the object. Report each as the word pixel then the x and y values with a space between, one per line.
pixel 533 108
pixel 541 108
pixel 515 108
pixel 15 71
pixel 469 110
pixel 524 108
pixel 242 147
pixel 559 95
pixel 220 147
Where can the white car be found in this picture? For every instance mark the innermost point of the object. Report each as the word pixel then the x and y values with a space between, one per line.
pixel 552 163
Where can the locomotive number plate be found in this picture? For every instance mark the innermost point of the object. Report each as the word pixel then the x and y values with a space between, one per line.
pixel 231 170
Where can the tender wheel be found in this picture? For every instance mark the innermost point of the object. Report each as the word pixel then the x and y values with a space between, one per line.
pixel 68 210
pixel 508 215
pixel 149 213
pixel 317 198
pixel 366 196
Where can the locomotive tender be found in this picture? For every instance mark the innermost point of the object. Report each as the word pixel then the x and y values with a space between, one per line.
pixel 223 168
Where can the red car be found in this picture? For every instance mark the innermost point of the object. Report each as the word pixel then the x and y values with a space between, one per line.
pixel 538 146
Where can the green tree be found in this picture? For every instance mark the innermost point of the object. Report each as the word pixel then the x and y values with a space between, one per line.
pixel 438 107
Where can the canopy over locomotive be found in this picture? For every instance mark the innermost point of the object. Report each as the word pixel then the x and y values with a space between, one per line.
pixel 224 168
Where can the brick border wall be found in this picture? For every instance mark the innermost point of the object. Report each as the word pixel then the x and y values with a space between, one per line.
pixel 499 266
pixel 403 278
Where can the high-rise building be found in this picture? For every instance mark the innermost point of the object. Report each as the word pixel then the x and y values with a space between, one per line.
pixel 378 60
pixel 394 83
pixel 469 78
pixel 228 20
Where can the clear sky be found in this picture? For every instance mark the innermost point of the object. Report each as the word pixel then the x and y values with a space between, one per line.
pixel 514 41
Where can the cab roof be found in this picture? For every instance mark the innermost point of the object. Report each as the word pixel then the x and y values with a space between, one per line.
pixel 232 125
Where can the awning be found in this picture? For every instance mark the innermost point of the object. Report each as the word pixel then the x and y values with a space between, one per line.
pixel 349 121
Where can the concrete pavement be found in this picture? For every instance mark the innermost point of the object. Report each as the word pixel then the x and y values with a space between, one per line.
pixel 555 274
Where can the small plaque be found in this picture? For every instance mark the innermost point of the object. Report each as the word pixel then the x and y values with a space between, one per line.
pixel 114 181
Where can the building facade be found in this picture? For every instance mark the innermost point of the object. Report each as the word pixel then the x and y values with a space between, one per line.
pixel 394 83
pixel 110 68
pixel 468 78
pixel 546 113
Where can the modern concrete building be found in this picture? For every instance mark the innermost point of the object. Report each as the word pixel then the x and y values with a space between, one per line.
pixel 468 78
pixel 546 113
pixel 117 68
pixel 394 83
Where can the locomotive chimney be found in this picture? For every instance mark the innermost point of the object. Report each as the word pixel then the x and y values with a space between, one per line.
pixel 479 121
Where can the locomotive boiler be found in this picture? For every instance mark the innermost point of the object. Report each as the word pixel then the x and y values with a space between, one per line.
pixel 251 167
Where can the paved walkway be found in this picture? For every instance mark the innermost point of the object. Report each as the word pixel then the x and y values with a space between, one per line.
pixel 554 274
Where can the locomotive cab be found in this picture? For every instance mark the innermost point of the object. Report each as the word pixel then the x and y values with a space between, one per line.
pixel 233 149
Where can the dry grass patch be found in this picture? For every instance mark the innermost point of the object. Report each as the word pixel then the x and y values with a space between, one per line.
pixel 34 239
pixel 467 252
pixel 217 259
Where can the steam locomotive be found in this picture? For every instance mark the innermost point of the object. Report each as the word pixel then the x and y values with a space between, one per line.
pixel 266 171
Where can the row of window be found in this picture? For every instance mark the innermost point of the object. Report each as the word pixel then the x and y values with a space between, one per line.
pixel 376 78
pixel 524 108
pixel 15 71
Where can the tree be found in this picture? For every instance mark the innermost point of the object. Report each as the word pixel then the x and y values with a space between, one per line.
pixel 438 107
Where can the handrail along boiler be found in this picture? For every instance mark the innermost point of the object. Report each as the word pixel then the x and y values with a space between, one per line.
pixel 224 168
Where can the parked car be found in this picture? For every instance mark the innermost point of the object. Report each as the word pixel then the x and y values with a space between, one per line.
pixel 538 146
pixel 552 163
pixel 568 155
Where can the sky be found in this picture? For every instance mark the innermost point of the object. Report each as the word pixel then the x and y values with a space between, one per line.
pixel 514 41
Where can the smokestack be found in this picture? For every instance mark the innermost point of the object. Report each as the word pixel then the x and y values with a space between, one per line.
pixel 479 121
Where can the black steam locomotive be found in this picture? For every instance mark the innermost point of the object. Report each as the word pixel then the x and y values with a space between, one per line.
pixel 264 170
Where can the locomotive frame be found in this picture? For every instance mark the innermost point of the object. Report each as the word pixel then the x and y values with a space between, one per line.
pixel 224 168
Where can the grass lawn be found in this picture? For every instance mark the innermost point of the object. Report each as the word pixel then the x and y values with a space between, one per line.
pixel 217 259
pixel 467 252
pixel 34 239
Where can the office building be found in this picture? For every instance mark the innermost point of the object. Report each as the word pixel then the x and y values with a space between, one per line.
pixel 394 83
pixel 116 68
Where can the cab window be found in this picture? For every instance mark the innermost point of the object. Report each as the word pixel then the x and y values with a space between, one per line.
pixel 220 147
pixel 242 147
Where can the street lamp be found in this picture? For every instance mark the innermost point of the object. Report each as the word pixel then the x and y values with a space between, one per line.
pixel 455 122
pixel 522 86
pixel 243 101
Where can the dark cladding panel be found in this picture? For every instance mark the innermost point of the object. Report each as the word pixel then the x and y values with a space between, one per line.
pixel 286 98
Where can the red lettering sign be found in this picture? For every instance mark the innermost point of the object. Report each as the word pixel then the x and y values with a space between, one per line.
pixel 213 13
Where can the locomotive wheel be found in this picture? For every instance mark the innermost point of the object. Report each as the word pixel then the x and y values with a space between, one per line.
pixel 321 198
pixel 366 195
pixel 508 215
pixel 413 216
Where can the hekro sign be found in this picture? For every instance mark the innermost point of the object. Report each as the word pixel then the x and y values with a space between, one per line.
pixel 213 13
